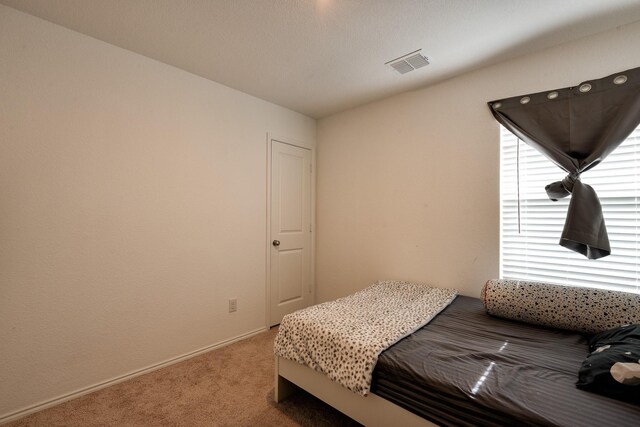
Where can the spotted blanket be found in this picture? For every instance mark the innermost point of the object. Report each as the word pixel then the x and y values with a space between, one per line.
pixel 343 338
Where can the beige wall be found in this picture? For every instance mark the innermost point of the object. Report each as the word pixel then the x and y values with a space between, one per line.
pixel 408 187
pixel 132 207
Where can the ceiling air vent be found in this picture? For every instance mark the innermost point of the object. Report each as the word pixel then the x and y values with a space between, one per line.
pixel 409 62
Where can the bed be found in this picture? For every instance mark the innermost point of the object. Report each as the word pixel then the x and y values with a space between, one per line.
pixel 468 368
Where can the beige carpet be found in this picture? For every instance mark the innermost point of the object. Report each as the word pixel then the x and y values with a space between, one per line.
pixel 231 386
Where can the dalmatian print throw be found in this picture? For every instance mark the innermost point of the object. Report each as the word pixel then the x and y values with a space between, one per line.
pixel 343 338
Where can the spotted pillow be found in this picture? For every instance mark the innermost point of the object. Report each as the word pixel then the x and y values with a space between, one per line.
pixel 563 307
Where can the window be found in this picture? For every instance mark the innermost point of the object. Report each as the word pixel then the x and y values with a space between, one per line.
pixel 533 252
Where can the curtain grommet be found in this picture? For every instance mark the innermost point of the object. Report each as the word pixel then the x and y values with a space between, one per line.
pixel 621 79
pixel 552 95
pixel 497 105
pixel 584 88
pixel 525 100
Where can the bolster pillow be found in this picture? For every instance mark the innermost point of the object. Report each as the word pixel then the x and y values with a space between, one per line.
pixel 563 307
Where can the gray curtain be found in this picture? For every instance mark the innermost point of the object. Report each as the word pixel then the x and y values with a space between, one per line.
pixel 576 128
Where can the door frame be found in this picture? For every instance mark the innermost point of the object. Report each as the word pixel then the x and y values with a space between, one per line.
pixel 311 147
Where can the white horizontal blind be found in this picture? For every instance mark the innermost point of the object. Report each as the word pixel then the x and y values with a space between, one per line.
pixel 534 252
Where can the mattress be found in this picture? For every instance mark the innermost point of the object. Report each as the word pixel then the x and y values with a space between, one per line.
pixel 466 368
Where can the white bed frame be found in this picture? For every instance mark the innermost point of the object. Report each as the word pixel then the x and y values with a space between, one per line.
pixel 369 410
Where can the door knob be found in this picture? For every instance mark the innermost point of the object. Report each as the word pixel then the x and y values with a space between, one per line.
pixel 276 243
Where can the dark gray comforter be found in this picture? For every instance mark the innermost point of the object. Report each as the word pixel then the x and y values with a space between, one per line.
pixel 466 368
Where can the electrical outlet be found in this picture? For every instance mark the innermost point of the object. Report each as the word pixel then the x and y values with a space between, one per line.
pixel 233 305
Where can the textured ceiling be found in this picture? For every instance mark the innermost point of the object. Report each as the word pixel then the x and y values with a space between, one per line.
pixel 319 57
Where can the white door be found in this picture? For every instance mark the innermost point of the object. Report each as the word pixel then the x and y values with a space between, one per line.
pixel 291 280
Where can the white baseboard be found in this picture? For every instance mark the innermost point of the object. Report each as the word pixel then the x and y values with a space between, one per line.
pixel 12 416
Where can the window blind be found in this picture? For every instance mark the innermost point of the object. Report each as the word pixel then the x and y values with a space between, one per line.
pixel 533 252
